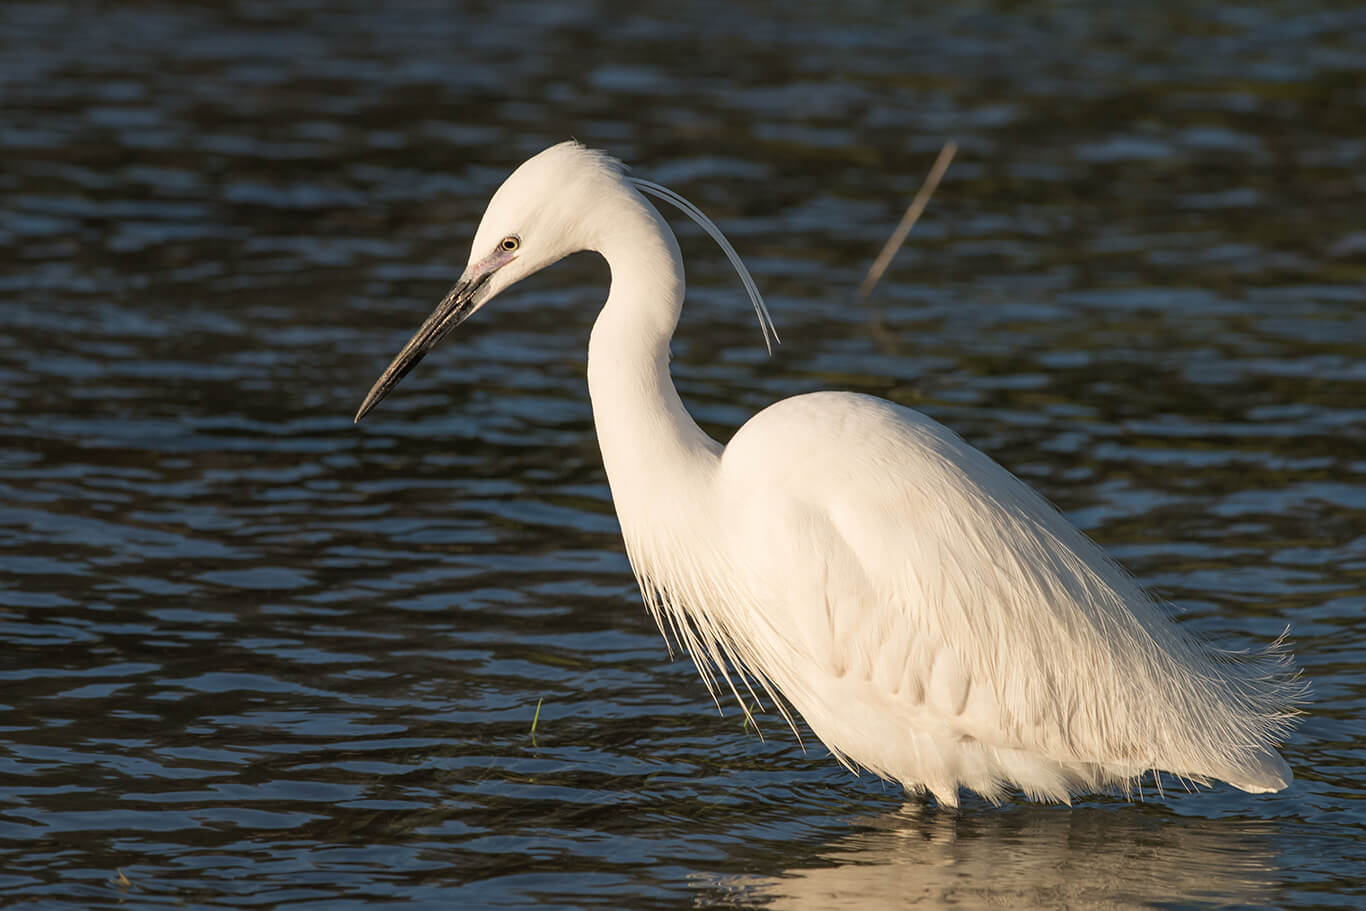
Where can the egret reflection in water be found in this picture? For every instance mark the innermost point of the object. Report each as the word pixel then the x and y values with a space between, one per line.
pixel 1026 857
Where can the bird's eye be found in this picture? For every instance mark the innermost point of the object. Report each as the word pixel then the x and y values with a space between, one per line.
pixel 510 243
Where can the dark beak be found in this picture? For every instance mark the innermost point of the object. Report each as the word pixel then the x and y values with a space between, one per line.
pixel 451 312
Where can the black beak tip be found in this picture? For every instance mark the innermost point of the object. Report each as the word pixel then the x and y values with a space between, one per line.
pixel 366 406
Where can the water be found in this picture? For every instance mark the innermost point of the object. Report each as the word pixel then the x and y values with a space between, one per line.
pixel 255 656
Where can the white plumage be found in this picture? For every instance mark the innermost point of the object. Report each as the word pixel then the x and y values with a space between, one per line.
pixel 932 618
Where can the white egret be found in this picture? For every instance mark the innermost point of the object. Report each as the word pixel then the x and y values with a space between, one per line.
pixel 931 617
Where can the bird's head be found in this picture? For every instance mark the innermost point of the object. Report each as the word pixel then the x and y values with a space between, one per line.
pixel 546 209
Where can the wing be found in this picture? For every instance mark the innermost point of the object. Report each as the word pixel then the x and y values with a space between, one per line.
pixel 905 582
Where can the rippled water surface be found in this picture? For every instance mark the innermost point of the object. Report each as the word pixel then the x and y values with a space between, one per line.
pixel 256 656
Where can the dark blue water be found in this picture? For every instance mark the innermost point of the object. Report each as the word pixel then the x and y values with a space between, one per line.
pixel 254 656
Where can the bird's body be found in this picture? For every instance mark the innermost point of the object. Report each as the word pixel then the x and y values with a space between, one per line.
pixel 931 617
pixel 936 621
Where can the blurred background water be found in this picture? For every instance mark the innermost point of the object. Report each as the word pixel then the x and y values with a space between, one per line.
pixel 255 656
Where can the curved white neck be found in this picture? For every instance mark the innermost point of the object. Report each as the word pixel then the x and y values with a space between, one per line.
pixel 650 444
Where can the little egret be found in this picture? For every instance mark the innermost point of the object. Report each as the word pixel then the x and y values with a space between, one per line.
pixel 932 618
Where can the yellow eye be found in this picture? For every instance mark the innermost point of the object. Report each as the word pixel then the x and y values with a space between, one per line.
pixel 510 243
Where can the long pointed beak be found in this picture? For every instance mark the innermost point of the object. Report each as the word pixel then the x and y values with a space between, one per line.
pixel 451 312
